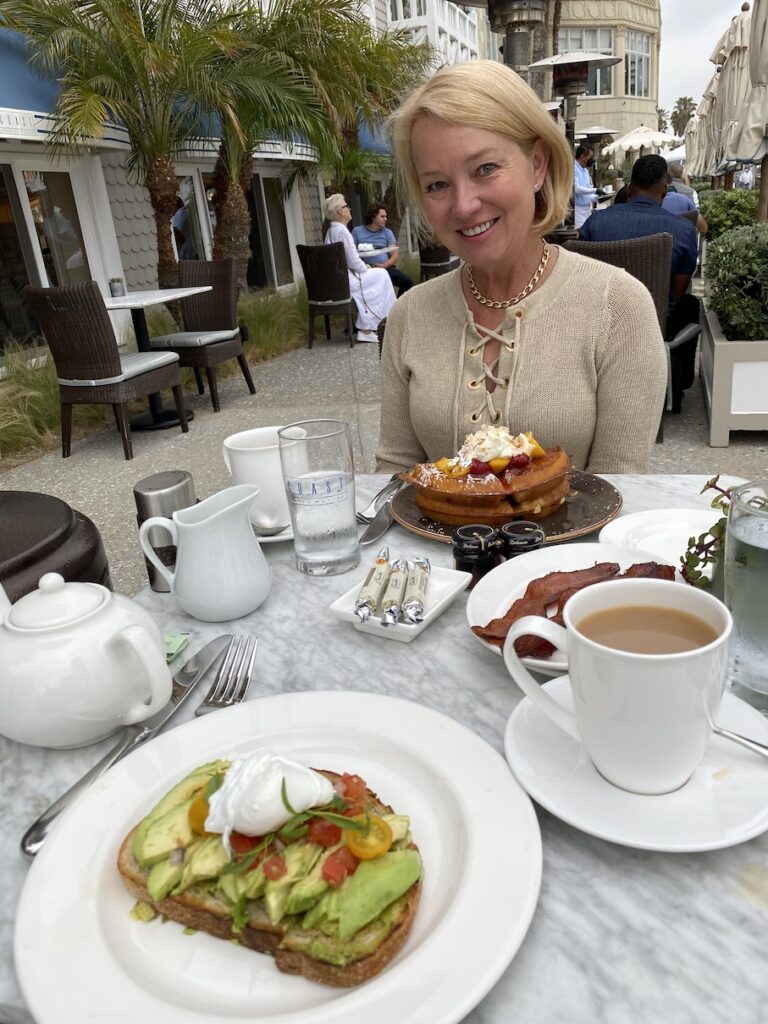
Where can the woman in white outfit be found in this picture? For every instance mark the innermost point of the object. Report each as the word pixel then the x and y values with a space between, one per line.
pixel 370 287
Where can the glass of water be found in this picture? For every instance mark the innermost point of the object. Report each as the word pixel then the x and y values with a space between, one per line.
pixel 746 591
pixel 316 457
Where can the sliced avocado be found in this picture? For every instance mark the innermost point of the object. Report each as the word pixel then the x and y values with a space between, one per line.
pixel 308 890
pixel 399 823
pixel 299 859
pixel 181 792
pixel 254 883
pixel 206 862
pixel 325 913
pixel 375 885
pixel 162 878
pixel 166 833
pixel 332 950
pixel 231 886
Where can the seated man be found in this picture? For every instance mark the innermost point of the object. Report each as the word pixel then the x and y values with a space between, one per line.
pixel 376 233
pixel 643 214
pixel 676 201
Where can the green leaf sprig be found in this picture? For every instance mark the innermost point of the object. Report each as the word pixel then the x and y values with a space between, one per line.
pixel 327 812
pixel 707 548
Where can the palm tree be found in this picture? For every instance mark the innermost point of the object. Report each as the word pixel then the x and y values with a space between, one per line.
pixel 557 13
pixel 682 114
pixel 662 119
pixel 158 68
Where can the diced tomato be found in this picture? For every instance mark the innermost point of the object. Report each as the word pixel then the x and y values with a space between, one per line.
pixel 478 468
pixel 354 787
pixel 353 810
pixel 323 832
pixel 243 844
pixel 338 865
pixel 275 868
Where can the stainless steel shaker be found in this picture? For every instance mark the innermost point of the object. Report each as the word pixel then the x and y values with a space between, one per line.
pixel 160 495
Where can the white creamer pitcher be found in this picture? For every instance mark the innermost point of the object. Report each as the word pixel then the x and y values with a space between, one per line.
pixel 221 572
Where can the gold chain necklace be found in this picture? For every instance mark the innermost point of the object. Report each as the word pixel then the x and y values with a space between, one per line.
pixel 517 298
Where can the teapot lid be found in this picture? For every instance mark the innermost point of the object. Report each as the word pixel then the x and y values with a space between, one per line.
pixel 56 603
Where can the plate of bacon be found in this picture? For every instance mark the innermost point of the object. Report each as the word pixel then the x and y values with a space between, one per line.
pixel 540 583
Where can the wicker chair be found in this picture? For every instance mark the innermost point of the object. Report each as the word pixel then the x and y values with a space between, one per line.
pixel 212 334
pixel 649 259
pixel 327 280
pixel 436 260
pixel 90 370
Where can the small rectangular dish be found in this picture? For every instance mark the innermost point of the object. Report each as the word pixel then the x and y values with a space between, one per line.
pixel 444 585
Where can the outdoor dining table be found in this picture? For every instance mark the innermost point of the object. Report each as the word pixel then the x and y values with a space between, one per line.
pixel 619 935
pixel 158 418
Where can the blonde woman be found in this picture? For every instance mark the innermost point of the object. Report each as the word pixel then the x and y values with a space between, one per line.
pixel 524 334
pixel 370 287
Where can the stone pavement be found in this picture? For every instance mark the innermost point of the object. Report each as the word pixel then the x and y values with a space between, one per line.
pixel 331 380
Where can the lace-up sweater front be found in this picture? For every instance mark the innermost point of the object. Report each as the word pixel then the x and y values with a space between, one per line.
pixel 582 365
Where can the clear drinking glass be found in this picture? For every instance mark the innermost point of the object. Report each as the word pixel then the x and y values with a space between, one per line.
pixel 316 456
pixel 746 591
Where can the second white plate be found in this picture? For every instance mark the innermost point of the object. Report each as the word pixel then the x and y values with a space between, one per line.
pixel 663 533
pixel 502 586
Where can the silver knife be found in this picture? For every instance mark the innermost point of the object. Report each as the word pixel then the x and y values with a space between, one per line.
pixel 379 525
pixel 184 682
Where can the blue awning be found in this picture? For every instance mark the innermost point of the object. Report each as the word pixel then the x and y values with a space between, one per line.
pixel 20 87
pixel 376 142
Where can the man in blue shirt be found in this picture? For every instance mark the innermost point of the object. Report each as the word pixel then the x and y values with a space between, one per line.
pixel 644 215
pixel 376 233
pixel 583 189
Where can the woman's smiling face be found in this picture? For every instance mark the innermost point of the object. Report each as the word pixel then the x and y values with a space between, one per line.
pixel 478 189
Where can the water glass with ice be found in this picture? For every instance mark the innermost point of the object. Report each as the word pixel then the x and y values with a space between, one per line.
pixel 316 456
pixel 746 591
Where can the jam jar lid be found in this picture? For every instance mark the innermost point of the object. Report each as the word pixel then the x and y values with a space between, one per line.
pixel 521 535
pixel 475 539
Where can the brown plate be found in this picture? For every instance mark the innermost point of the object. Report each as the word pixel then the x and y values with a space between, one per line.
pixel 592 503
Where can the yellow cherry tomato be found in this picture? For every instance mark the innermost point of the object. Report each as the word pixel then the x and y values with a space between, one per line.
pixel 497 465
pixel 538 451
pixel 197 813
pixel 367 844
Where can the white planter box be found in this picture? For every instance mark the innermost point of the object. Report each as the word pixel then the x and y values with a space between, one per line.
pixel 734 377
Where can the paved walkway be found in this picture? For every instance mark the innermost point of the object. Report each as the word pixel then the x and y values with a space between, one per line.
pixel 331 380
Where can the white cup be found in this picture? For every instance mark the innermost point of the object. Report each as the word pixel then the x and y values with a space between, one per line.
pixel 644 719
pixel 253 457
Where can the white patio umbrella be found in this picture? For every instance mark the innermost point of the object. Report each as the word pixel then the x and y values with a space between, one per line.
pixel 676 155
pixel 751 144
pixel 641 138
pixel 734 84
pixel 705 161
pixel 691 143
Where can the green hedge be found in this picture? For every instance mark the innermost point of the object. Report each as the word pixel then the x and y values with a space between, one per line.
pixel 726 210
pixel 737 271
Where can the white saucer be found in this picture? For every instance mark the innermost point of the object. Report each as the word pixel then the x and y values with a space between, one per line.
pixel 274 538
pixel 724 803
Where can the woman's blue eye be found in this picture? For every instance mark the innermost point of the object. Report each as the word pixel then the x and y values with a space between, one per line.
pixel 486 169
pixel 436 186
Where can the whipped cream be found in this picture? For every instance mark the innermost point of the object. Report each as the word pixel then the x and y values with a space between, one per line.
pixel 492 443
pixel 250 799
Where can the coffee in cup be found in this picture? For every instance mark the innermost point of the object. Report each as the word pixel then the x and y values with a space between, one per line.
pixel 647 662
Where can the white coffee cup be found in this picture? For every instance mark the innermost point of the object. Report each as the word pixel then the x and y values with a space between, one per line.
pixel 644 719
pixel 253 457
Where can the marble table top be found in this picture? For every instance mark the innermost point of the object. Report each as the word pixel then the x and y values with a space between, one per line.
pixel 619 936
pixel 152 297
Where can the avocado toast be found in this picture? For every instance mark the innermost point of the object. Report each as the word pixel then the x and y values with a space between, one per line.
pixel 331 893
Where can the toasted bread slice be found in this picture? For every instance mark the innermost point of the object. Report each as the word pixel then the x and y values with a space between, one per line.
pixel 286 941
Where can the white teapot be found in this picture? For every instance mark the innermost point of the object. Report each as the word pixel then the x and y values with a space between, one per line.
pixel 76 663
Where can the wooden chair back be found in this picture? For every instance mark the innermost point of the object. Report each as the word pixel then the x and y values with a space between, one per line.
pixel 325 272
pixel 215 310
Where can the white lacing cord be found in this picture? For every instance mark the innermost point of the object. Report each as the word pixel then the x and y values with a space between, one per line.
pixel 362 296
pixel 488 371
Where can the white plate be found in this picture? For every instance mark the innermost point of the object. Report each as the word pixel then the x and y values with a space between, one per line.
pixel 274 538
pixel 444 585
pixel 81 957
pixel 663 533
pixel 495 592
pixel 724 803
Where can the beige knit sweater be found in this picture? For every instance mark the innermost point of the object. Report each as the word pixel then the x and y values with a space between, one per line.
pixel 582 365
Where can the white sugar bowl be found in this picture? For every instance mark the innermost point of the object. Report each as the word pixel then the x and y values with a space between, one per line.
pixel 77 662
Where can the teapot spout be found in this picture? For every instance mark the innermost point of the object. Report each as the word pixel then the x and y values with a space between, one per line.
pixel 5 604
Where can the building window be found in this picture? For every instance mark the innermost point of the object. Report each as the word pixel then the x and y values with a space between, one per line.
pixel 394 14
pixel 57 224
pixel 592 40
pixel 637 64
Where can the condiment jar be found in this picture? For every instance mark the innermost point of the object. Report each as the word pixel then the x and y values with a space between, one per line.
pixel 475 550
pixel 519 536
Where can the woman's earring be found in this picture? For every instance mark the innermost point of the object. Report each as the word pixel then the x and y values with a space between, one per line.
pixel 537 186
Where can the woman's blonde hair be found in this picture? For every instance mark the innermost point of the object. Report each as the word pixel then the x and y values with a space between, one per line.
pixel 487 94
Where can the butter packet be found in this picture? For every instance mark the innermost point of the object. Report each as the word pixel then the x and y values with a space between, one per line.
pixel 174 644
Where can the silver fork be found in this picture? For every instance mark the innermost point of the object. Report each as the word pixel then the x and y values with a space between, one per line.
pixel 387 491
pixel 234 676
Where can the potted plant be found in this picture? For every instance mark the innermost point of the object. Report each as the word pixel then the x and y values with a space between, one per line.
pixel 707 549
pixel 734 338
